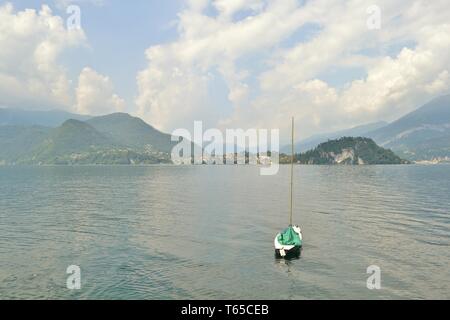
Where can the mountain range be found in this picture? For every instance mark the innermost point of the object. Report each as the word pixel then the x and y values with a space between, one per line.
pixel 423 134
pixel 52 118
pixel 113 139
pixel 59 137
pixel 313 141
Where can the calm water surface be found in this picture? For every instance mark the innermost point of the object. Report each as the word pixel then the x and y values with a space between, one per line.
pixel 207 232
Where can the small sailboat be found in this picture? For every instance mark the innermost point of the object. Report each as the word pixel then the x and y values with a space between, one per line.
pixel 288 243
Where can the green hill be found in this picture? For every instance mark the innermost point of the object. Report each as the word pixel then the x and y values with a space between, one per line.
pixel 131 132
pixel 67 141
pixel 113 139
pixel 17 141
pixel 349 151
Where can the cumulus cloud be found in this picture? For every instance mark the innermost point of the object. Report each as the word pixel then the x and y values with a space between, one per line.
pixel 31 76
pixel 272 71
pixel 251 63
pixel 174 88
pixel 30 44
pixel 95 94
pixel 393 83
pixel 441 84
pixel 228 8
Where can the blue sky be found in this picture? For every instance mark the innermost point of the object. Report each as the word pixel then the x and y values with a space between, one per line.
pixel 230 63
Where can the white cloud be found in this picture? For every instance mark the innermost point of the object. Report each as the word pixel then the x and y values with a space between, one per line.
pixel 95 94
pixel 285 74
pixel 396 84
pixel 259 51
pixel 228 8
pixel 440 85
pixel 30 43
pixel 31 77
pixel 173 89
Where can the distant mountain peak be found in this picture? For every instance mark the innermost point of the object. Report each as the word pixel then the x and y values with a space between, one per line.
pixel 51 118
pixel 315 140
pixel 73 122
pixel 423 134
pixel 443 98
pixel 117 115
pixel 117 138
pixel 131 131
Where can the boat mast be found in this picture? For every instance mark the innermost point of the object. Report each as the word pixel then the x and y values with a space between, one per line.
pixel 292 172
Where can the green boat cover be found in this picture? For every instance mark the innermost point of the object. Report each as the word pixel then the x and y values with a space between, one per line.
pixel 289 237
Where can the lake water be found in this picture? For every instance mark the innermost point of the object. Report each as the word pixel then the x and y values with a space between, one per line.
pixel 206 232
